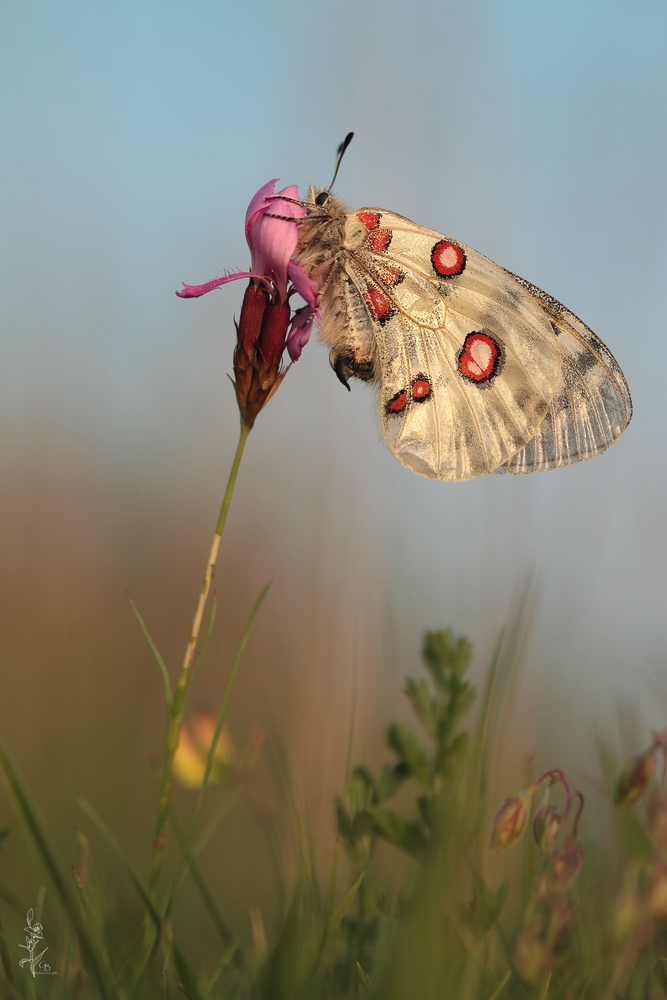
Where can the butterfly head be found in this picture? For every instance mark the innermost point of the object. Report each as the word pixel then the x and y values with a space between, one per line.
pixel 324 207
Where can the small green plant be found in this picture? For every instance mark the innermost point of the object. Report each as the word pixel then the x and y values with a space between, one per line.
pixel 363 813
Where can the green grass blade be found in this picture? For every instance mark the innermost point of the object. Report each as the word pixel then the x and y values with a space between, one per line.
pixel 13 901
pixel 204 891
pixel 501 986
pixel 6 961
pixel 186 979
pixel 334 876
pixel 142 892
pixel 48 854
pixel 213 822
pixel 330 907
pixel 136 882
pixel 342 908
pixel 211 754
pixel 363 979
pixel 503 673
pixel 154 650
pixel 7 828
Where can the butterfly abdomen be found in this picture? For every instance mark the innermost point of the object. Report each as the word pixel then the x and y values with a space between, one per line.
pixel 323 251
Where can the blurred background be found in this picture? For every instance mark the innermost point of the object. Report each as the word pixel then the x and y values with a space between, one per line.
pixel 135 135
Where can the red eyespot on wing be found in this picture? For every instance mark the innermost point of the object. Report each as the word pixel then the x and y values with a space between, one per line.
pixel 420 389
pixel 390 275
pixel 377 302
pixel 380 239
pixel 448 259
pixel 371 220
pixel 398 402
pixel 479 357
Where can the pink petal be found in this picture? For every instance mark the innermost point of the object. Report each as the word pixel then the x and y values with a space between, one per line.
pixel 306 288
pixel 258 203
pixel 273 241
pixel 299 333
pixel 292 194
pixel 194 291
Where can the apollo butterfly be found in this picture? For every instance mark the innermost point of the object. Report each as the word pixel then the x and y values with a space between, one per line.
pixel 477 370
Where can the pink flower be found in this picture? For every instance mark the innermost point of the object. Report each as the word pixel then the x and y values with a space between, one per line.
pixel 272 237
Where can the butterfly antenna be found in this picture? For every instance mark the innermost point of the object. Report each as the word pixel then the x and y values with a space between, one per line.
pixel 341 153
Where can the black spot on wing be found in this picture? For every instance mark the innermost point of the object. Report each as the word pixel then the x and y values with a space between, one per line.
pixel 584 361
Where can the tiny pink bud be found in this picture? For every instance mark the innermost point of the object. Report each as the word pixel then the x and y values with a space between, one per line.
pixel 510 821
pixel 546 825
pixel 635 779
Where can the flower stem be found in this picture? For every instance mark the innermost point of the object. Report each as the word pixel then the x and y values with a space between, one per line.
pixel 175 715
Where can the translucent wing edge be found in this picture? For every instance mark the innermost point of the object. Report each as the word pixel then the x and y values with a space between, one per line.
pixel 597 419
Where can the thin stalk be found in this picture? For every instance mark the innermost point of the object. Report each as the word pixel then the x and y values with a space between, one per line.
pixel 175 714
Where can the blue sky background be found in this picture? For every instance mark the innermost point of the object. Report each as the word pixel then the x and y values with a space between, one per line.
pixel 135 135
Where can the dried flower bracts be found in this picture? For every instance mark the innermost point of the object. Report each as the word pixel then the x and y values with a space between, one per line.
pixel 549 915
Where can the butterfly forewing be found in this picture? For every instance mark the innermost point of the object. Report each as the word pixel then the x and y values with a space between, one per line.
pixel 478 371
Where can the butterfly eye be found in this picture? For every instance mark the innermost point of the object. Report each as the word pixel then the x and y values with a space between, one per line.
pixel 322 198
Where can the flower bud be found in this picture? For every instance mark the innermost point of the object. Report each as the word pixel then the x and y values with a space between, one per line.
pixel 546 825
pixel 635 779
pixel 193 748
pixel 510 821
pixel 274 334
pixel 255 301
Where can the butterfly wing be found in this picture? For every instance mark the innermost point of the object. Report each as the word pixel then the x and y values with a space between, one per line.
pixel 591 406
pixel 471 360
